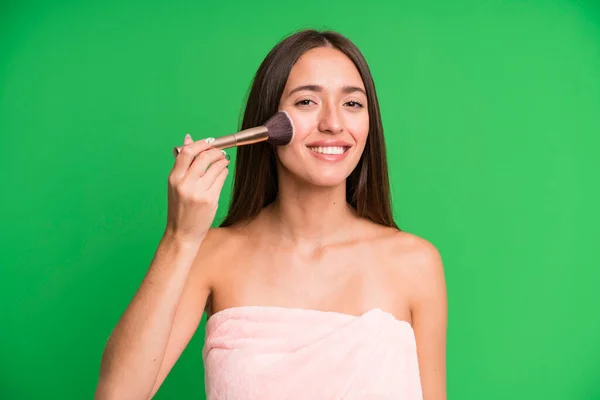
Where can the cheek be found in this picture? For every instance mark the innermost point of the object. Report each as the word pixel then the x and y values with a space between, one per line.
pixel 359 129
pixel 303 123
pixel 302 128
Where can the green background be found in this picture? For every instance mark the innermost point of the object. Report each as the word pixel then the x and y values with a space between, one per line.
pixel 492 117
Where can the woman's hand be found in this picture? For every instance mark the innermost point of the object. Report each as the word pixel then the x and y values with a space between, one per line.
pixel 195 184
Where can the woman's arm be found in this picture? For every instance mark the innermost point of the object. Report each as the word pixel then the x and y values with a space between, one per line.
pixel 429 318
pixel 193 300
pixel 169 303
pixel 154 328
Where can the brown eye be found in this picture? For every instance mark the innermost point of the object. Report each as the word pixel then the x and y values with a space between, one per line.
pixel 305 102
pixel 354 104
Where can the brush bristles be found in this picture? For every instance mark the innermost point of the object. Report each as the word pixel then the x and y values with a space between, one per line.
pixel 281 129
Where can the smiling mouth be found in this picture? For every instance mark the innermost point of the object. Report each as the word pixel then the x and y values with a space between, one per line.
pixel 333 150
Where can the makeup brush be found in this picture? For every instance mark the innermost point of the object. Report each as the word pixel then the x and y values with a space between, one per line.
pixel 278 130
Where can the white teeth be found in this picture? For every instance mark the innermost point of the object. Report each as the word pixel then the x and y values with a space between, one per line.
pixel 328 150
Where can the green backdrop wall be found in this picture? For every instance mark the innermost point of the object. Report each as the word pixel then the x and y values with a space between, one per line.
pixel 492 117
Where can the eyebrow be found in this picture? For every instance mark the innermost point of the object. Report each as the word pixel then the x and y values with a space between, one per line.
pixel 317 88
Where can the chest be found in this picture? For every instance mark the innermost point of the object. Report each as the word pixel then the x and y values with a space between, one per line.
pixel 344 280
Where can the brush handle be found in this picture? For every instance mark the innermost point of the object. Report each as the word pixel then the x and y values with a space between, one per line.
pixel 247 136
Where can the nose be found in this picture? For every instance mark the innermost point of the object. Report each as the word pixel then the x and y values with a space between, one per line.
pixel 329 120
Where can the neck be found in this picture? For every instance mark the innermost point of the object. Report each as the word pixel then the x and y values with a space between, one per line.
pixel 305 214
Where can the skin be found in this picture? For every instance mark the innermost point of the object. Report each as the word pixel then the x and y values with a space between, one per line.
pixel 309 249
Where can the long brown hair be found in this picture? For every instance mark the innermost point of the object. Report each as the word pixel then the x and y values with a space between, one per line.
pixel 255 181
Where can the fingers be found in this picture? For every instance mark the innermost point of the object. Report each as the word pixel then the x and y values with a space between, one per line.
pixel 190 150
pixel 203 162
pixel 217 185
pixel 213 172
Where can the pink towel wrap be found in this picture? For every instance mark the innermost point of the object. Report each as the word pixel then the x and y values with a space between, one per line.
pixel 268 353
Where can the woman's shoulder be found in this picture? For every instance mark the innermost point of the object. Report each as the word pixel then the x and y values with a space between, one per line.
pixel 396 241
pixel 410 245
pixel 409 257
pixel 215 253
pixel 220 240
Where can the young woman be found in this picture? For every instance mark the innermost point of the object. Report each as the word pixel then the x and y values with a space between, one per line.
pixel 311 290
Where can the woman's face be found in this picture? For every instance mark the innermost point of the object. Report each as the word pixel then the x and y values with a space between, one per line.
pixel 326 100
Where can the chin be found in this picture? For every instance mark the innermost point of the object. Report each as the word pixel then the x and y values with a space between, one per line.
pixel 332 181
pixel 323 178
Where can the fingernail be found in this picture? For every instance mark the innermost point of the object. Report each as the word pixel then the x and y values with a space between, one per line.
pixel 188 136
pixel 223 151
pixel 209 140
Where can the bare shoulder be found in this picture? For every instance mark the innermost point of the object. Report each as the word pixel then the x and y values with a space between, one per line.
pixel 420 257
pixel 414 262
pixel 219 237
pixel 404 249
pixel 218 244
